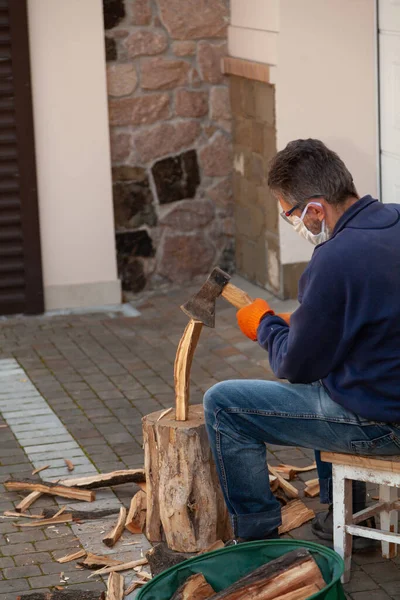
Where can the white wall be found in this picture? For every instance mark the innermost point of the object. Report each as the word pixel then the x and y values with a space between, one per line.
pixel 325 80
pixel 72 153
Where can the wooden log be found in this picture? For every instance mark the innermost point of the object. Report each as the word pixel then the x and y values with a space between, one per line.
pixel 27 502
pixel 288 488
pixel 312 488
pixel 94 482
pixel 273 483
pixel 54 489
pixel 136 519
pixel 280 576
pixel 64 595
pixel 98 561
pixel 295 514
pixel 113 536
pixel 65 518
pixel 83 515
pixel 161 557
pixel 300 594
pixel 73 556
pixel 115 587
pixel 184 498
pixel 122 567
pixel 183 363
pixel 218 545
pixel 195 587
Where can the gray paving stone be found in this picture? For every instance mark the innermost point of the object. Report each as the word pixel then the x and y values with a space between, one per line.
pixel 30 559
pixel 21 572
pixel 17 549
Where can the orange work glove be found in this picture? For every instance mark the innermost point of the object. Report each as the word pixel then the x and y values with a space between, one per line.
pixel 285 317
pixel 249 317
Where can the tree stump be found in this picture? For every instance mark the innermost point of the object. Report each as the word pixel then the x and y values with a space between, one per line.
pixel 184 499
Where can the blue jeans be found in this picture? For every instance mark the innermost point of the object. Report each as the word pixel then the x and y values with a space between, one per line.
pixel 243 415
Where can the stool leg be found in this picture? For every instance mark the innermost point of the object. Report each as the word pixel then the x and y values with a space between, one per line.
pixel 389 519
pixel 342 516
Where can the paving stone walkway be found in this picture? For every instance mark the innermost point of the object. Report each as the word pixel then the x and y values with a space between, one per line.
pixel 97 376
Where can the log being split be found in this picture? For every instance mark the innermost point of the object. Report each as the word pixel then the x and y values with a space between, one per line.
pixel 115 587
pixel 194 588
pixel 136 519
pixel 280 576
pixel 113 536
pixel 184 498
pixel 54 489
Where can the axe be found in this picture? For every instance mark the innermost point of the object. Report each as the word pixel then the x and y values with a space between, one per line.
pixel 201 307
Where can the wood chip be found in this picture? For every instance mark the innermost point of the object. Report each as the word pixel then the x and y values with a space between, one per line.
pixel 300 469
pixel 133 587
pixel 53 489
pixel 40 469
pixel 313 490
pixel 295 514
pixel 115 587
pixel 215 546
pixel 3 426
pixel 93 482
pixel 73 556
pixel 288 488
pixel 60 512
pixel 164 413
pixel 65 518
pixel 9 513
pixel 27 501
pixel 136 519
pixel 69 464
pixel 98 561
pixel 113 536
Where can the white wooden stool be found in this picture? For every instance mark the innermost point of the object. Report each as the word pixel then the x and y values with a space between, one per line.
pixel 385 471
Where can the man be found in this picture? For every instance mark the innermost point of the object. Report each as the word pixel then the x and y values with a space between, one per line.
pixel 341 353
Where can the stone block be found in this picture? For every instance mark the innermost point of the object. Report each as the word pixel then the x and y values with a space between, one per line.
pixel 141 12
pixel 176 178
pixel 222 194
pixel 216 157
pixel 194 19
pixel 163 73
pixel 235 92
pixel 271 209
pixel 291 275
pixel 189 215
pixel 111 49
pixel 113 12
pixel 184 256
pixel 273 263
pixel 209 57
pixel 187 48
pixel 134 243
pixel 145 42
pixel 166 138
pixel 220 109
pixel 133 203
pixel 251 259
pixel 142 110
pixel 191 104
pixel 249 220
pixel 121 79
pixel 264 102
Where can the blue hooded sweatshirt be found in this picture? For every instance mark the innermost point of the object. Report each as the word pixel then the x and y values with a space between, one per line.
pixel 346 331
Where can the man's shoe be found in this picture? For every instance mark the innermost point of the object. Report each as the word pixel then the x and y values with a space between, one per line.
pixel 322 527
pixel 273 535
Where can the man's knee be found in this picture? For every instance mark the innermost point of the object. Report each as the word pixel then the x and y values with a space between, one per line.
pixel 216 397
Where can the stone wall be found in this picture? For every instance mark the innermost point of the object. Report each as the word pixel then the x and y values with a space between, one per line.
pixel 170 124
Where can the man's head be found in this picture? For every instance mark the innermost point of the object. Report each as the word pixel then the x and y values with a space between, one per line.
pixel 305 172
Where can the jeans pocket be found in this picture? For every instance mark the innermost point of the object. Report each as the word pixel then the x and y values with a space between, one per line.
pixel 378 445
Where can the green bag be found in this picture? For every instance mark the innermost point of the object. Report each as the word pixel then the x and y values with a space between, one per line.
pixel 223 567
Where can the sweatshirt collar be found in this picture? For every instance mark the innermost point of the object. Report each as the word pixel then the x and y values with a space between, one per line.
pixel 351 212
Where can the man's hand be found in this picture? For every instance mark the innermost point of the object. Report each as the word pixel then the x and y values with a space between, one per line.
pixel 249 317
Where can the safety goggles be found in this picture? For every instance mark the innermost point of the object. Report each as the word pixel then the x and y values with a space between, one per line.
pixel 286 214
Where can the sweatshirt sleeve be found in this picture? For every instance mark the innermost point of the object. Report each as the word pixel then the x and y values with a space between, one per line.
pixel 314 343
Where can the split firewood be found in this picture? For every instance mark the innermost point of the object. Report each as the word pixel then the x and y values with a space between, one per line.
pixel 312 488
pixel 27 502
pixel 107 479
pixel 113 536
pixel 161 557
pixel 285 574
pixel 286 472
pixel 9 513
pixel 83 515
pixel 122 567
pixel 215 546
pixel 294 515
pixel 60 512
pixel 70 464
pixel 164 413
pixel 97 561
pixel 115 587
pixel 300 594
pixel 288 488
pixel 64 594
pixel 65 518
pixel 73 556
pixel 300 469
pixel 195 587
pixel 136 519
pixel 273 483
pixel 47 487
pixel 40 469
pixel 133 587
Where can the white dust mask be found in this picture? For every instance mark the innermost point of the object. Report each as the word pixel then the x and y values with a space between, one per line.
pixel 301 229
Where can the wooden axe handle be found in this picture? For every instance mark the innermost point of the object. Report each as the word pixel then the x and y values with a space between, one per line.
pixel 236 296
pixel 183 363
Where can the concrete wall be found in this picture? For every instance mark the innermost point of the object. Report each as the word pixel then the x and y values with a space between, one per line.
pixel 73 156
pixel 323 61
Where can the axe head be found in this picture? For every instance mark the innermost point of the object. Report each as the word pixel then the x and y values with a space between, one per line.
pixel 201 307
